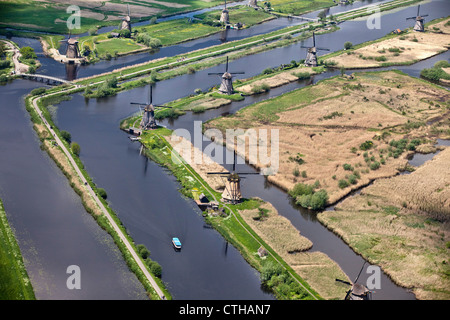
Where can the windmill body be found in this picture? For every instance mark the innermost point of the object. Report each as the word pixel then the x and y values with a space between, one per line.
pixel 126 21
pixel 226 85
pixel 148 121
pixel 418 26
pixel 232 193
pixel 252 3
pixel 311 56
pixel 225 16
pixel 72 51
pixel 357 291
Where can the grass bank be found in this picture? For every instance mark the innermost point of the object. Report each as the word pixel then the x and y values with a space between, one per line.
pixel 14 281
pixel 236 224
pixel 55 151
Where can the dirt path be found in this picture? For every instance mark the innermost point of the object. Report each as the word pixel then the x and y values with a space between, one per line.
pixel 19 67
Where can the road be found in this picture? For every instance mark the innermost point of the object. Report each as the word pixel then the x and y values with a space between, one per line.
pixel 99 203
pixel 19 67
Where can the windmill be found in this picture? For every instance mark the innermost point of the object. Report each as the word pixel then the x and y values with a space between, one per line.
pixel 225 17
pixel 72 52
pixel 126 21
pixel 148 119
pixel 419 21
pixel 232 193
pixel 311 56
pixel 226 87
pixel 357 291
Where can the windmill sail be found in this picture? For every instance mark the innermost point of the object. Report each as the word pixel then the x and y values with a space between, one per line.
pixel 311 56
pixel 148 121
pixel 226 86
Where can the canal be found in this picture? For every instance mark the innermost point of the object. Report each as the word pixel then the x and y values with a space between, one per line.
pixel 145 196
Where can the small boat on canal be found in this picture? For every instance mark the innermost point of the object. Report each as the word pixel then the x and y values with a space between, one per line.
pixel 176 243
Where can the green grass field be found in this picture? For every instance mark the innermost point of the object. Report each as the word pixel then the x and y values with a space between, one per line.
pixel 51 15
pixel 296 7
pixel 14 281
pixel 116 45
pixel 242 14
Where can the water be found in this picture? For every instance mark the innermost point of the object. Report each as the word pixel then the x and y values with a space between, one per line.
pixel 52 227
pixel 146 197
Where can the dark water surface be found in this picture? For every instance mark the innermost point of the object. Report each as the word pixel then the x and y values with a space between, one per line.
pixel 53 229
pixel 146 197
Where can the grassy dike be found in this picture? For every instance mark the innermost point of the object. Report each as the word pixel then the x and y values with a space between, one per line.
pixel 14 281
pixel 61 160
pixel 232 227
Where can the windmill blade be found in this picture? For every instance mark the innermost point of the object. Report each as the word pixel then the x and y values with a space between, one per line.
pixel 347 294
pixel 239 72
pixel 314 39
pixel 138 103
pixel 323 49
pixel 226 67
pixel 151 94
pixel 248 173
pixel 215 73
pixel 418 9
pixel 343 281
pixel 163 107
pixel 223 173
pixel 305 47
pixel 411 18
pixel 360 272
pixel 425 15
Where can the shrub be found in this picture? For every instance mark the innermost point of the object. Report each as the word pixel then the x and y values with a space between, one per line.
pixel 348 167
pixel 142 251
pixel 155 268
pixel 301 189
pixel 343 183
pixel 302 75
pixel 374 165
pixel 75 147
pixel 296 172
pixel 66 136
pixel 348 45
pixel 102 193
pixel 27 53
pixel 37 91
pixel 366 145
pixel 381 58
pixel 316 201
pixel 352 179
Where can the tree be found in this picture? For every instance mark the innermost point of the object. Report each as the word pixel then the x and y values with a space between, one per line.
pixel 66 136
pixel 86 50
pixel 102 193
pixel 27 53
pixel 143 251
pixel 348 45
pixel 75 147
pixel 125 33
pixel 322 15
